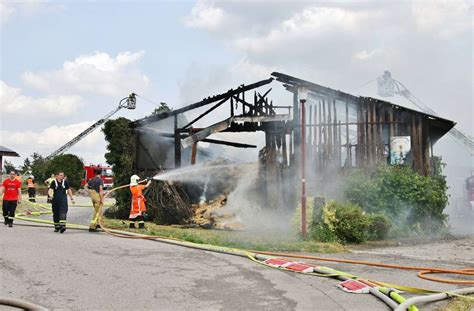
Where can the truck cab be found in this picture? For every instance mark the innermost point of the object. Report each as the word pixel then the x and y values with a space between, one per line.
pixel 107 175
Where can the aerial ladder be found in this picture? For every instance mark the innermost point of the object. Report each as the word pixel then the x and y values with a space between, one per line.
pixel 388 86
pixel 128 102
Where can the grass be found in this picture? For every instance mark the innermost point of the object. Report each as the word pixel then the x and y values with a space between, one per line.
pixel 236 239
pixel 458 304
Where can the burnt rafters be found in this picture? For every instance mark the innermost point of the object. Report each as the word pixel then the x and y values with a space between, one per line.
pixel 243 102
pixel 292 83
pixel 206 112
pixel 204 102
pixel 262 100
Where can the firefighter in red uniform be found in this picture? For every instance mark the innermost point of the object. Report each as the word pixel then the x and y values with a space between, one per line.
pixel 138 207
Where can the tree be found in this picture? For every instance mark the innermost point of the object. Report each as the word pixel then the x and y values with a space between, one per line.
pixel 163 108
pixel 71 165
pixel 39 167
pixel 26 167
pixel 8 167
pixel 121 156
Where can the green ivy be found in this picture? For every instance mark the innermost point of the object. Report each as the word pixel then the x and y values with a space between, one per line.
pixel 121 156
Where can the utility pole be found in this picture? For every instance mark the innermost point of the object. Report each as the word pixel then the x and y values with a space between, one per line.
pixel 303 96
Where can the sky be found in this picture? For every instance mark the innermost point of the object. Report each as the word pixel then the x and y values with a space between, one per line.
pixel 65 64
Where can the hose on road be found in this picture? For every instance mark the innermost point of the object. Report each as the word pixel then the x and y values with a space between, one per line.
pixel 21 304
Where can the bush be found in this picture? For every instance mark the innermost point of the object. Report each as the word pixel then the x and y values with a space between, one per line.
pixel 379 227
pixel 401 194
pixel 343 222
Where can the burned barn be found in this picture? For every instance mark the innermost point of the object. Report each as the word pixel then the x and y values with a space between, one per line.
pixel 340 132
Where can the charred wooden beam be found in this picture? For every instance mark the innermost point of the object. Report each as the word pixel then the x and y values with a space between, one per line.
pixel 241 89
pixel 207 112
pixel 264 118
pixel 227 143
pixel 177 143
pixel 215 128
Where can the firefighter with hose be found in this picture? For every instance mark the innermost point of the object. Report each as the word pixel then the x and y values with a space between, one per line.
pixel 138 207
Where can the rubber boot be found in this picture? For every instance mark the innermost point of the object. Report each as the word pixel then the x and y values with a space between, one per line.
pixel 10 223
pixel 5 222
pixel 132 225
pixel 62 229
pixel 141 225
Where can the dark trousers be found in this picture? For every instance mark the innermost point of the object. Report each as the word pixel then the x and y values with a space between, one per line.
pixel 59 213
pixel 32 194
pixel 9 208
pixel 141 222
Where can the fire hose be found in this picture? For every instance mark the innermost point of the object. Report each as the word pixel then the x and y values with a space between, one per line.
pixel 390 296
pixel 21 304
pixel 422 270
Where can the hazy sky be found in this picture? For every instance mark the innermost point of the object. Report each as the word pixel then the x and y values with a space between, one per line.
pixel 64 64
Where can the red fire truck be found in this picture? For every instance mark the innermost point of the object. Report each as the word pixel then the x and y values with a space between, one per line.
pixel 107 175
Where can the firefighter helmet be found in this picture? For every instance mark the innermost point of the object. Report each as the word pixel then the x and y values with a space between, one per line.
pixel 134 180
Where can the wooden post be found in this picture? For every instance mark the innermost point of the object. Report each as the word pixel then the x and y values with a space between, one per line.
pixel 381 132
pixel 193 153
pixel 296 128
pixel 359 135
pixel 325 136
pixel 421 145
pixel 369 134
pixel 320 138
pixel 339 144
pixel 397 120
pixel 348 147
pixel 292 150
pixel 177 144
pixel 315 137
pixel 414 143
pixel 335 135
pixel 392 129
pixel 330 131
pixel 310 136
pixel 426 148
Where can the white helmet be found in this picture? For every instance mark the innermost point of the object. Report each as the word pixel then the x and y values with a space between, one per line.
pixel 31 176
pixel 134 180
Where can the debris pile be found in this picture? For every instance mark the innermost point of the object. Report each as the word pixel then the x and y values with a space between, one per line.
pixel 212 215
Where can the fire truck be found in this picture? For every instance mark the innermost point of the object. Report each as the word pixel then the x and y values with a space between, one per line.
pixel 107 175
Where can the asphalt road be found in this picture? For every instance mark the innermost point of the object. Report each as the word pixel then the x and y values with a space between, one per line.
pixel 79 270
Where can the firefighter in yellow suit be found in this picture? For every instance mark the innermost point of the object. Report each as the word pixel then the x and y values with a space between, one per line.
pixel 138 206
pixel 95 186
